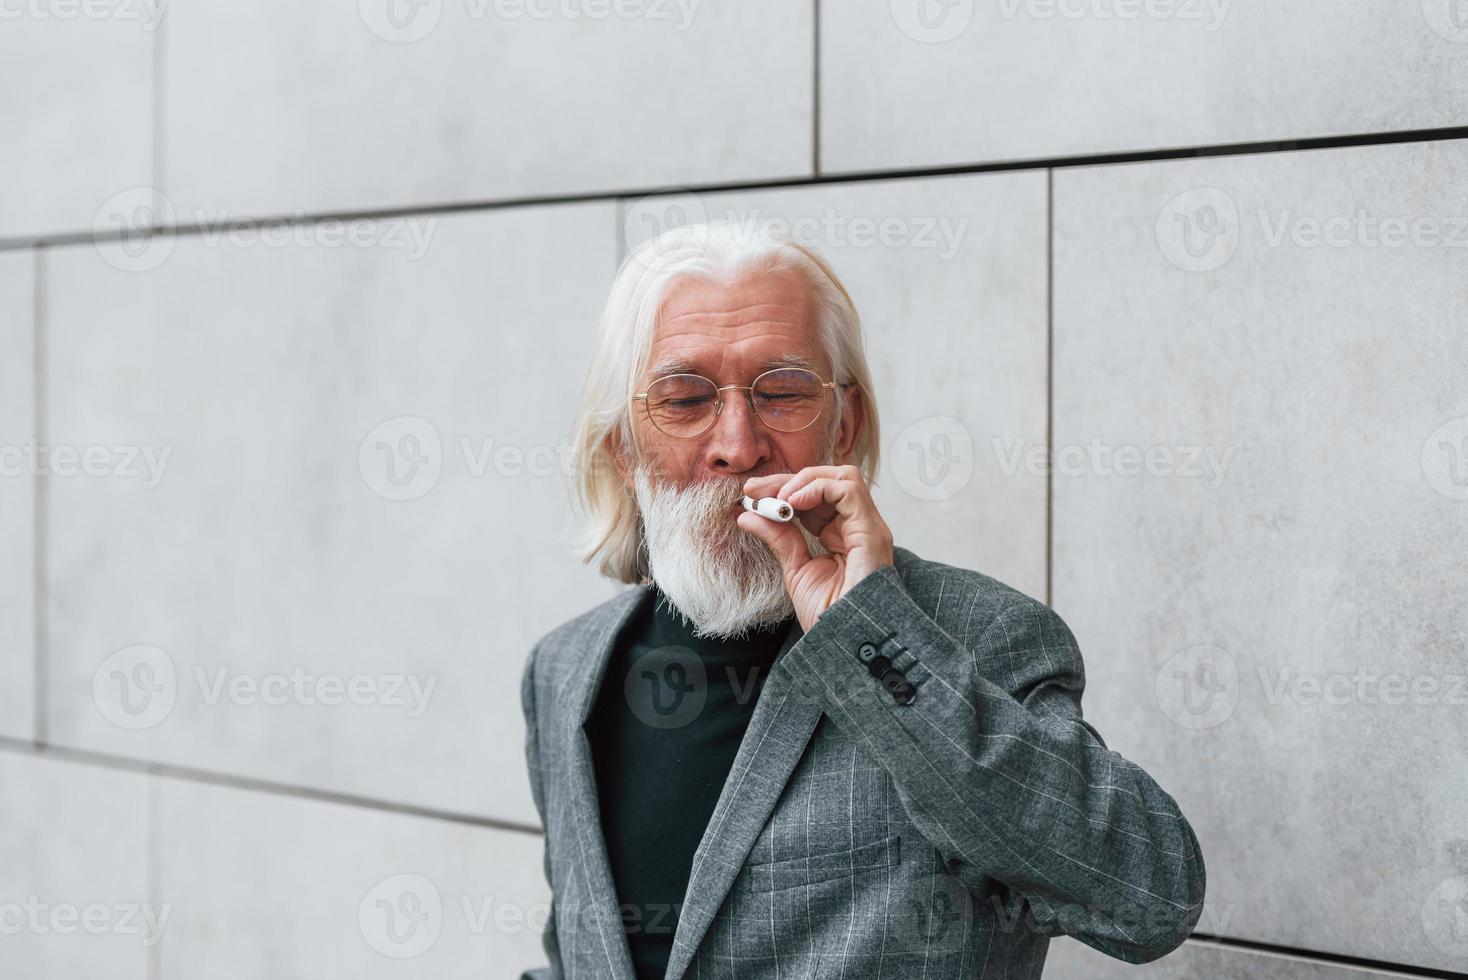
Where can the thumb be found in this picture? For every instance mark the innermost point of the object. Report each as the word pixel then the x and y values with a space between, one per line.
pixel 784 540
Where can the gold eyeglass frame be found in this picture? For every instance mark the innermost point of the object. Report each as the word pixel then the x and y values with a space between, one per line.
pixel 719 405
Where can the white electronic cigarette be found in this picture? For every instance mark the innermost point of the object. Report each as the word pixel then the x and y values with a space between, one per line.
pixel 772 507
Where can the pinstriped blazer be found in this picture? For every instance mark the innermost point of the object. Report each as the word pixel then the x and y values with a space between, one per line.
pixel 861 837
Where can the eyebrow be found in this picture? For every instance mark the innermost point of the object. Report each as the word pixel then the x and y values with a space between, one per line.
pixel 682 365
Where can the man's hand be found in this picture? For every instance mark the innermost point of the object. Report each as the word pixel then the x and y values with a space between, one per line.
pixel 835 505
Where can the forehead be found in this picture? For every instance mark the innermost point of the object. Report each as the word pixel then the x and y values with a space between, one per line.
pixel 756 321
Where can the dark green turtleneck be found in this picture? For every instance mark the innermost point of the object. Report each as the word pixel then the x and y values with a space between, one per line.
pixel 667 723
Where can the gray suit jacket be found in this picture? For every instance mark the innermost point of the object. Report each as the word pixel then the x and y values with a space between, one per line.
pixel 861 837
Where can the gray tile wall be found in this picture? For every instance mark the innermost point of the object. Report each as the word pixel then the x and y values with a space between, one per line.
pixel 357 111
pixel 17 494
pixel 1194 960
pixel 77 114
pixel 916 83
pixel 1280 634
pixel 342 891
pixel 313 432
pixel 79 900
pixel 278 392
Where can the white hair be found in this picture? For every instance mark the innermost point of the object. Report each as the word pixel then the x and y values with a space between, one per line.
pixel 612 533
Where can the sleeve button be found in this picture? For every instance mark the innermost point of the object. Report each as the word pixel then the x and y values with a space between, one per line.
pixel 866 652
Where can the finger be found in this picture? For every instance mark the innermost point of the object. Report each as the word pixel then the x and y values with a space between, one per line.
pixel 818 516
pixel 810 473
pixel 827 497
pixel 784 539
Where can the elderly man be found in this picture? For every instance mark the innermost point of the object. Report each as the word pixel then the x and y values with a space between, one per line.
pixel 793 749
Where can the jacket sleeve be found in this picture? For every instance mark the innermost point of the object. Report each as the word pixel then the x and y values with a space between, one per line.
pixel 1000 772
pixel 532 761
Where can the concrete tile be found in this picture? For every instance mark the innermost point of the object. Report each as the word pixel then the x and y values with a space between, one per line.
pixel 345 475
pixel 17 494
pixel 279 106
pixel 1071 960
pixel 76 900
pixel 79 85
pixel 1272 607
pixel 341 891
pixel 914 83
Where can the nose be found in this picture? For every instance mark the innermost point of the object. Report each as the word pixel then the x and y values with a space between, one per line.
pixel 737 441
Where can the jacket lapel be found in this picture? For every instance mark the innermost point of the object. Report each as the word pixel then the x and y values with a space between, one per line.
pixel 779 727
pixel 601 914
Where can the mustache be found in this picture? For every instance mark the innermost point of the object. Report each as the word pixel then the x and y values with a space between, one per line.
pixel 712 493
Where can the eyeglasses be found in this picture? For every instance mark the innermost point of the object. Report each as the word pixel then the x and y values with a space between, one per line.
pixel 686 405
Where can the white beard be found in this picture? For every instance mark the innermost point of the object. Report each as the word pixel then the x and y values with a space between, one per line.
pixel 724 580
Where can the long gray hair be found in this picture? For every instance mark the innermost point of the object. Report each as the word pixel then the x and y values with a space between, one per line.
pixel 611 533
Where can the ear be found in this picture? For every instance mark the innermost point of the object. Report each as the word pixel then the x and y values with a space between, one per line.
pixel 613 445
pixel 853 422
